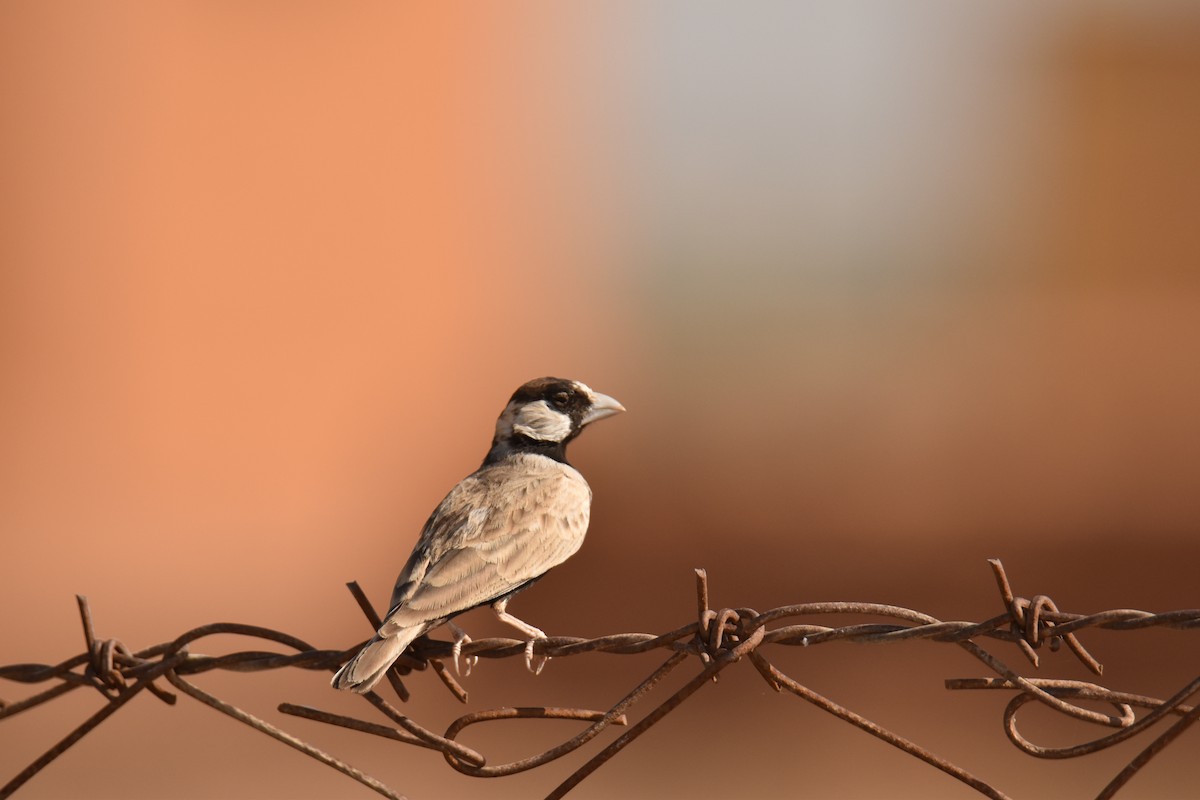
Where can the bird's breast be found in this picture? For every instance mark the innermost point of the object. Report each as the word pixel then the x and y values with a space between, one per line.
pixel 541 493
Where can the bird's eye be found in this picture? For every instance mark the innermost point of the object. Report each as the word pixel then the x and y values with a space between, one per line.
pixel 561 398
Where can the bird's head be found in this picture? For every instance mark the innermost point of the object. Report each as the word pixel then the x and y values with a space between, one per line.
pixel 546 413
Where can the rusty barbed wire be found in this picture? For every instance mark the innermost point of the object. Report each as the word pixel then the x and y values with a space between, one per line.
pixel 717 638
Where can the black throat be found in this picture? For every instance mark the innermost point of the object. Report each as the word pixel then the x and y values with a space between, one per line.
pixel 502 448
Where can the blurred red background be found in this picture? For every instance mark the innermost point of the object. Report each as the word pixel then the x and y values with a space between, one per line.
pixel 887 291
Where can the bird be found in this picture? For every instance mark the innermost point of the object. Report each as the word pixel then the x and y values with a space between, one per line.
pixel 500 529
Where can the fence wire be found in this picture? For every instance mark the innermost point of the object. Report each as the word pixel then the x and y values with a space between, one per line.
pixel 716 639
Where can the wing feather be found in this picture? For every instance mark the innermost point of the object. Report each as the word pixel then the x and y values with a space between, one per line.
pixel 498 529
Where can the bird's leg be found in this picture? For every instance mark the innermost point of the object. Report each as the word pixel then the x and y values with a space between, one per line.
pixel 533 663
pixel 461 638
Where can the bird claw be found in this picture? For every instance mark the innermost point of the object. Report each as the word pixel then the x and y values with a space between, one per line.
pixel 461 638
pixel 533 662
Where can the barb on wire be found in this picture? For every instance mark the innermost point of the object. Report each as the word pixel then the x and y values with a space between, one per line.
pixel 716 638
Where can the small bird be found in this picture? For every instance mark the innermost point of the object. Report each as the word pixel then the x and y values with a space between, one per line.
pixel 523 512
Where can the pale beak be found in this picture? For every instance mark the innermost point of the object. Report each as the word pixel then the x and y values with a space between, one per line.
pixel 602 406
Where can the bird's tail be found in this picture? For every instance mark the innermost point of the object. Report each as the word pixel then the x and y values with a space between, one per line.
pixel 361 673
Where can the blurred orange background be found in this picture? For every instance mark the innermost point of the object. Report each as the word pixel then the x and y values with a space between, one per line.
pixel 887 290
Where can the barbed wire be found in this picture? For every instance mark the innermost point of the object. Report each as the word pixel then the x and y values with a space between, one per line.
pixel 717 639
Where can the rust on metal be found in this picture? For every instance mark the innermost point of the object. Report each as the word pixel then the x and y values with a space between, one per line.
pixel 716 638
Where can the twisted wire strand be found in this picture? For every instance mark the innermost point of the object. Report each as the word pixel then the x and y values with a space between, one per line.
pixel 717 638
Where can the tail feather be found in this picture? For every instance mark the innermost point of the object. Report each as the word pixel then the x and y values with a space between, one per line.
pixel 361 673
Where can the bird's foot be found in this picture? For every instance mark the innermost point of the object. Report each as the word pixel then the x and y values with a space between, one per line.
pixel 461 638
pixel 534 662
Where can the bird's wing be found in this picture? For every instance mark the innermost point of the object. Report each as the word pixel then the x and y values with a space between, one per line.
pixel 495 531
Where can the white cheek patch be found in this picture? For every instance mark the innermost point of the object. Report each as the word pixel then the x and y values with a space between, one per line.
pixel 539 421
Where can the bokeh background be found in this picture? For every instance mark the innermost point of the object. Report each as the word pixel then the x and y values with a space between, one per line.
pixel 888 289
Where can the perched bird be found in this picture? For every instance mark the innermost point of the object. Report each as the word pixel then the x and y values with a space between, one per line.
pixel 523 512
